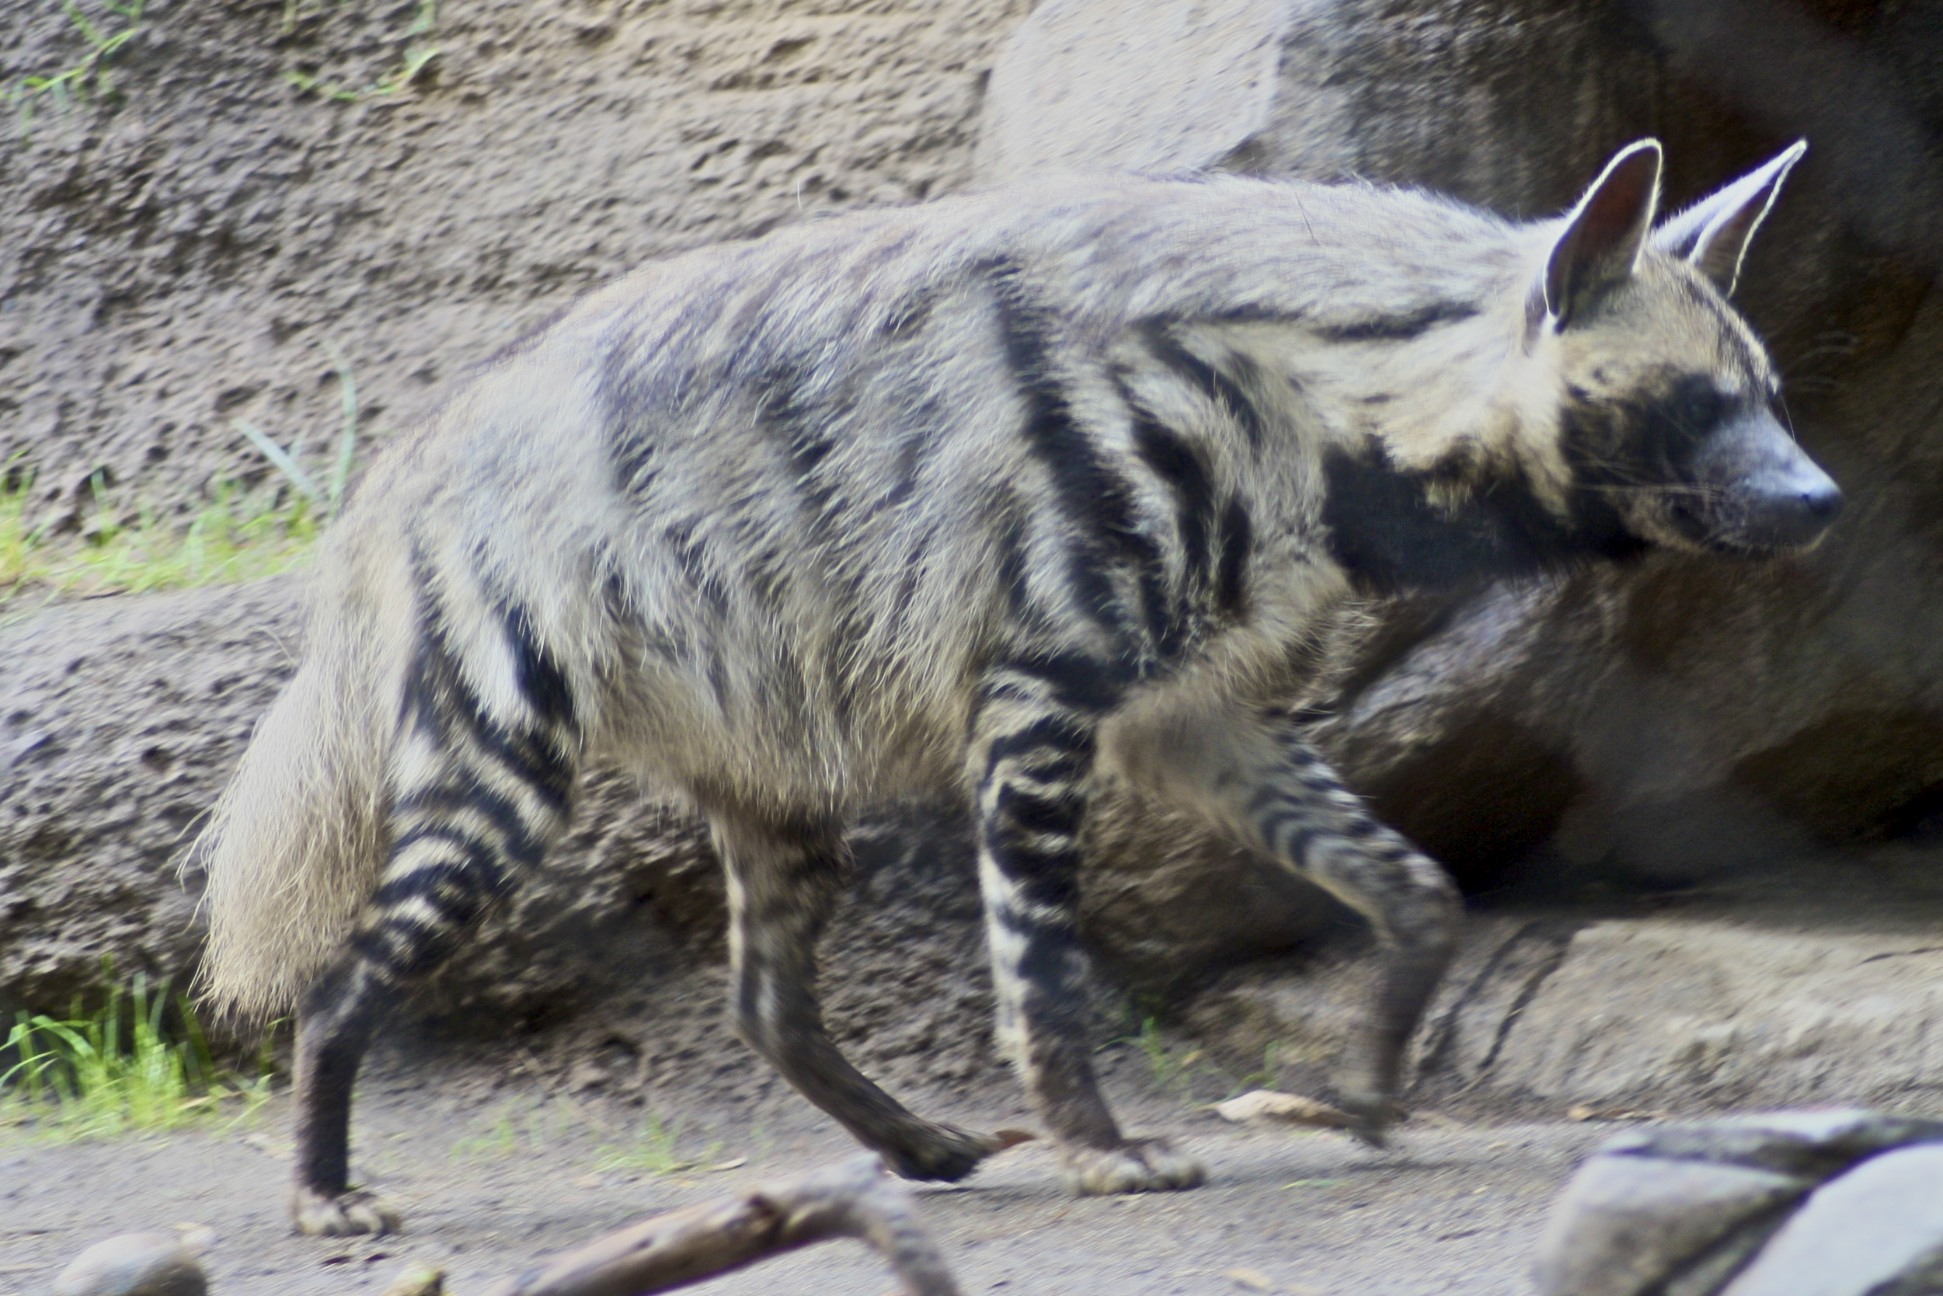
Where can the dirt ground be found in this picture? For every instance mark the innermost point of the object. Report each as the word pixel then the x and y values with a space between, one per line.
pixel 492 1174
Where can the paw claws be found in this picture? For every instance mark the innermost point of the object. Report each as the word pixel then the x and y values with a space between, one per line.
pixel 343 1214
pixel 1138 1165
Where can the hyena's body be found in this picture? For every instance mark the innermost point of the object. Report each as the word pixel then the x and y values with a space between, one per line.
pixel 995 494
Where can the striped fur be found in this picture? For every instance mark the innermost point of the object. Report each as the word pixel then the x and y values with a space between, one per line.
pixel 1005 493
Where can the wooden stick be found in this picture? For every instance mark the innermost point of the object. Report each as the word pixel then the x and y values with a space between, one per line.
pixel 854 1199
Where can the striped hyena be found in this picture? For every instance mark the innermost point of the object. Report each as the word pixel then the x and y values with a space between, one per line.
pixel 1001 492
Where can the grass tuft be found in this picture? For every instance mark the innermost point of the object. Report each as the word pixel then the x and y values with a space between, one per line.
pixel 139 1063
pixel 89 78
pixel 236 535
pixel 418 54
pixel 233 537
pixel 655 1149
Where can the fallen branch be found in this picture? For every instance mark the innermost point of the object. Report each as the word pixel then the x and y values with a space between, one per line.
pixel 855 1199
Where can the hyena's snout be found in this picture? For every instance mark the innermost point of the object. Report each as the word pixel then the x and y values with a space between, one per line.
pixel 1757 491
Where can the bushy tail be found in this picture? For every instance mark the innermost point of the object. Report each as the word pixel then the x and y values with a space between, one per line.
pixel 295 845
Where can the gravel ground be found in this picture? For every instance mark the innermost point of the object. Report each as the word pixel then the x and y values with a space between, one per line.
pixel 492 1175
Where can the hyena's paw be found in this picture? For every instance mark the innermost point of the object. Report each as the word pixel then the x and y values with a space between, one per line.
pixel 1372 1115
pixel 317 1214
pixel 1138 1165
pixel 947 1153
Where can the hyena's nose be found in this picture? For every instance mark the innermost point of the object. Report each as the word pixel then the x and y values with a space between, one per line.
pixel 1793 505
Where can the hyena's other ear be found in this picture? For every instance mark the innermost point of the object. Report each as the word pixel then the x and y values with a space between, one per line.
pixel 1603 235
pixel 1714 233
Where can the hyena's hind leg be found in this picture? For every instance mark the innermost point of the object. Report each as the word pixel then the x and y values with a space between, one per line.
pixel 1261 779
pixel 1033 758
pixel 478 789
pixel 783 881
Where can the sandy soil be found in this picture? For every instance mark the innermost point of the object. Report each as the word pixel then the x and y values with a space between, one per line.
pixel 492 1175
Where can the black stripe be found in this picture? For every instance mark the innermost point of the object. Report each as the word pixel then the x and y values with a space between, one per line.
pixel 691 556
pixel 534 759
pixel 470 878
pixel 626 392
pixel 1012 566
pixel 538 674
pixel 1041 814
pixel 464 791
pixel 1092 497
pixel 909 313
pixel 795 419
pixel 1205 378
pixel 1236 540
pixel 1089 684
pixel 1046 879
pixel 1397 328
pixel 1047 734
pixel 1389 536
pixel 1272 825
pixel 436 694
pixel 403 949
pixel 1178 464
pixel 479 857
pixel 456 907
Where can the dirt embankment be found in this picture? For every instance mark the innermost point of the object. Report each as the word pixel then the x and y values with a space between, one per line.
pixel 186 244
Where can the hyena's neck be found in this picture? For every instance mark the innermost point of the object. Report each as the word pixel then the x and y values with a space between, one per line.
pixel 1427 433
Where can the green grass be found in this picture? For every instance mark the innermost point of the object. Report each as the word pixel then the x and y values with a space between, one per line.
pixel 139 1063
pixel 653 1148
pixel 1190 1074
pixel 233 537
pixel 126 548
pixel 415 58
pixel 88 78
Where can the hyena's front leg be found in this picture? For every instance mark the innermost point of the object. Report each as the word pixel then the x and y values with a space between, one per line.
pixel 783 880
pixel 1033 759
pixel 1306 819
pixel 478 791
pixel 1261 779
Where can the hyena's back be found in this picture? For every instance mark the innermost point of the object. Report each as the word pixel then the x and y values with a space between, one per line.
pixel 774 507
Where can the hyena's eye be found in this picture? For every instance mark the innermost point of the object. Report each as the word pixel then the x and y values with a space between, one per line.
pixel 1696 406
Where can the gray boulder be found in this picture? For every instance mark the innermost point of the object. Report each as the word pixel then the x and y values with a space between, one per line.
pixel 1833 1203
pixel 1682 719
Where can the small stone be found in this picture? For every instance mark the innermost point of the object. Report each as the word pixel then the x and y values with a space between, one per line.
pixel 1876 1229
pixel 1626 1222
pixel 137 1264
pixel 418 1280
pixel 1282 1108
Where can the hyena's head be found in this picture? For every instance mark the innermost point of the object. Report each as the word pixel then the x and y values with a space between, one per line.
pixel 1669 422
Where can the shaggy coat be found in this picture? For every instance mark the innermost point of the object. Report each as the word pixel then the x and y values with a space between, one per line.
pixel 996 494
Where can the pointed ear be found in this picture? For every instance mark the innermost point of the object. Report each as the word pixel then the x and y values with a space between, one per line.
pixel 1604 234
pixel 1713 234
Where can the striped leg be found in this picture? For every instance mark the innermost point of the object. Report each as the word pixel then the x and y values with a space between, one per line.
pixel 1265 782
pixel 1305 818
pixel 478 790
pixel 782 883
pixel 1034 757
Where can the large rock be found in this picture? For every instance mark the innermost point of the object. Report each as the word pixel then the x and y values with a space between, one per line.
pixel 1829 999
pixel 1817 1203
pixel 1683 717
